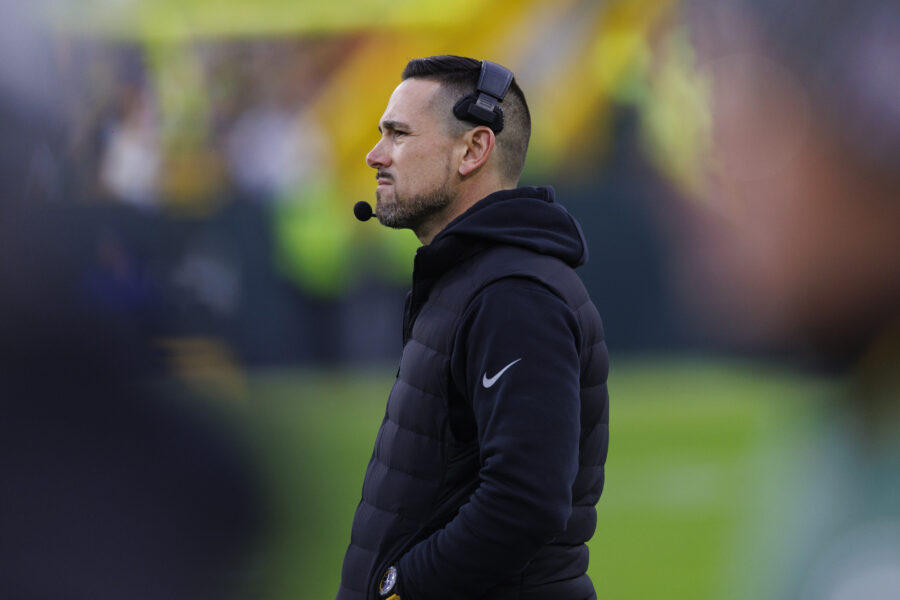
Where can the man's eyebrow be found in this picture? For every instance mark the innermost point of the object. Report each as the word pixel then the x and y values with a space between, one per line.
pixel 392 125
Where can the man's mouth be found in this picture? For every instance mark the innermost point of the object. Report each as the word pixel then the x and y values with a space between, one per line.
pixel 383 178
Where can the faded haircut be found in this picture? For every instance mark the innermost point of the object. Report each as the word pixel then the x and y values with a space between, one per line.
pixel 458 76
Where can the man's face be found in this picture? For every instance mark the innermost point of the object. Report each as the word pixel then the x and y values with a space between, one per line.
pixel 413 158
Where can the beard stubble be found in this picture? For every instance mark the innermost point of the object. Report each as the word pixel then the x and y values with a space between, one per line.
pixel 413 212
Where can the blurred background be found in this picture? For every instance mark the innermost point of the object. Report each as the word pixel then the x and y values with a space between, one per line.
pixel 197 338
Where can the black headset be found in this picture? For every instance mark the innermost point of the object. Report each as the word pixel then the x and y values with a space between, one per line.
pixel 482 107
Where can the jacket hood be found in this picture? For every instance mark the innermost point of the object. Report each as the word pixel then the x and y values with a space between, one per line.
pixel 528 217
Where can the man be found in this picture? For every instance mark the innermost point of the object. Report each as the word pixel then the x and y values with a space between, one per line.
pixel 491 455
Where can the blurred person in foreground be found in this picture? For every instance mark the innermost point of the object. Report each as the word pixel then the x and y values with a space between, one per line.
pixel 805 198
pixel 491 455
pixel 112 487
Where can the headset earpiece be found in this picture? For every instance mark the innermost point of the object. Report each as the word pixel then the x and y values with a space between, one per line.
pixel 482 107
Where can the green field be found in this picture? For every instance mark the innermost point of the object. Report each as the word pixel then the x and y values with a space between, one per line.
pixel 691 442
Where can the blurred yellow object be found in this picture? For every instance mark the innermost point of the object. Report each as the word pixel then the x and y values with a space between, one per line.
pixel 177 20
pixel 192 182
pixel 676 126
pixel 314 245
pixel 206 363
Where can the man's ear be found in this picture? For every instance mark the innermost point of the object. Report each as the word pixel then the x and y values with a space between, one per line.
pixel 480 143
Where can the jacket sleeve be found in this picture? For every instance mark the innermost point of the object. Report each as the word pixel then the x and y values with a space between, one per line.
pixel 516 359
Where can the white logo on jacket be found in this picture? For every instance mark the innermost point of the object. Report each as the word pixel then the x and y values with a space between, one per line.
pixel 487 382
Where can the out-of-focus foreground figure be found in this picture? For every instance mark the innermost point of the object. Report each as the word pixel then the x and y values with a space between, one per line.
pixel 111 487
pixel 799 236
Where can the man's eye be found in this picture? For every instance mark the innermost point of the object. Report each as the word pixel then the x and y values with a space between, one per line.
pixel 399 133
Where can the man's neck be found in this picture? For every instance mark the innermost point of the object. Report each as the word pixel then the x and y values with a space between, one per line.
pixel 469 195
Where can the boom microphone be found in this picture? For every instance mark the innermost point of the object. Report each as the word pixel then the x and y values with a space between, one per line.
pixel 362 210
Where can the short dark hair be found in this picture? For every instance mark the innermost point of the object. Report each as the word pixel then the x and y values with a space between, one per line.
pixel 458 75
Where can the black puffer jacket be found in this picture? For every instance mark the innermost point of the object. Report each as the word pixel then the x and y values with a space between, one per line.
pixel 491 455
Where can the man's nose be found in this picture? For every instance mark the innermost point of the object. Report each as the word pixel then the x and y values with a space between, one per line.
pixel 377 157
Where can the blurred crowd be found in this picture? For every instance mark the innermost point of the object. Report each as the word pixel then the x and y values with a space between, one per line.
pixel 211 177
pixel 183 207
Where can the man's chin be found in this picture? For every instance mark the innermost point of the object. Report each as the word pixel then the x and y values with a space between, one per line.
pixel 385 202
pixel 388 215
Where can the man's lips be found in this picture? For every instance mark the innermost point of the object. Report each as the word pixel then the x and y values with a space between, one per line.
pixel 384 179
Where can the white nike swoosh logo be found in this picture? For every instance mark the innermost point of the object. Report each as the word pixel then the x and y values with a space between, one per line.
pixel 489 381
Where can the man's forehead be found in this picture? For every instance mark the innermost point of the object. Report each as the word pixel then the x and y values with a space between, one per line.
pixel 411 101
